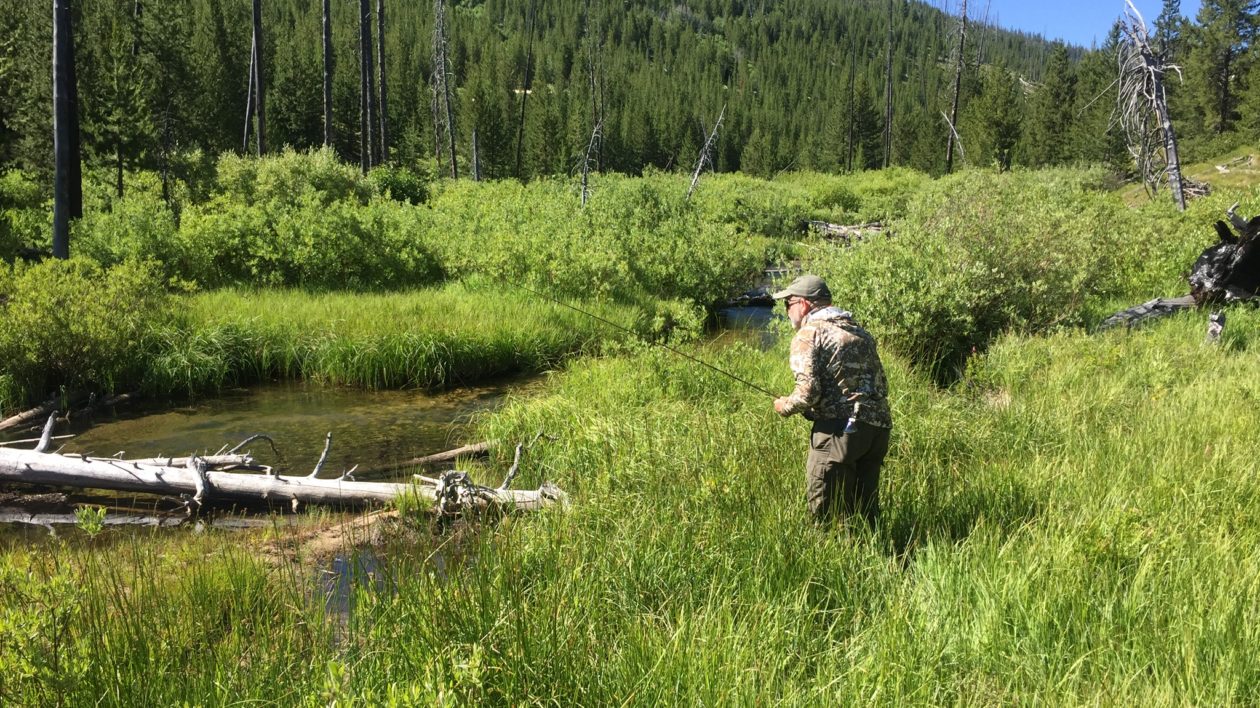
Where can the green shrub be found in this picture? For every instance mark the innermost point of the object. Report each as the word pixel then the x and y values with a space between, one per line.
pixel 75 324
pixel 25 217
pixel 291 178
pixel 979 253
pixel 635 236
pixel 139 226
pixel 400 183
pixel 879 195
pixel 339 245
pixel 754 206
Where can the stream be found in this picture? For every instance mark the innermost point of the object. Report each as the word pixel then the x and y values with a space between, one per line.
pixel 369 428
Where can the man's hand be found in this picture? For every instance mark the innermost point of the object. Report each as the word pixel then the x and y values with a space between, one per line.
pixel 780 404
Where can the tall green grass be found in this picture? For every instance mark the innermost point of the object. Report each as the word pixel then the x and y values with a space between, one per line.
pixel 1075 523
pixel 432 338
pixel 72 327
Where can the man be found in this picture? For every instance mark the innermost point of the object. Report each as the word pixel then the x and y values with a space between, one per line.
pixel 840 386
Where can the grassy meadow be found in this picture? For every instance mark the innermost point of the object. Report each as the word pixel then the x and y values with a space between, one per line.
pixel 1075 523
pixel 1069 517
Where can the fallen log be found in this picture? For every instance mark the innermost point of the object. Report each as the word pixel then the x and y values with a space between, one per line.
pixel 1226 272
pixel 27 416
pixel 480 449
pixel 199 481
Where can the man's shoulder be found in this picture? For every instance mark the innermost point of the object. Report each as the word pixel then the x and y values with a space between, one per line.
pixel 804 338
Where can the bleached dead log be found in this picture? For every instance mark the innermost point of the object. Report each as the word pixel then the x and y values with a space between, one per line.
pixel 480 449
pixel 219 461
pixel 30 467
pixel 206 479
pixel 30 415
pixel 848 233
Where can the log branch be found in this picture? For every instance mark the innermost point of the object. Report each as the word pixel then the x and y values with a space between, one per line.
pixel 45 438
pixel 198 478
pixel 323 457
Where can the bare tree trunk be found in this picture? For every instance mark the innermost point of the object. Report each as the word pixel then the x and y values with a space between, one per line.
pixel 381 109
pixel 476 159
pixel 370 87
pixel 888 90
pixel 593 63
pixel 249 94
pixel 592 147
pixel 68 176
pixel 1141 96
pixel 705 154
pixel 365 95
pixel 260 86
pixel 441 84
pixel 852 123
pixel 1170 142
pixel 958 72
pixel 166 156
pixel 328 75
pixel 526 82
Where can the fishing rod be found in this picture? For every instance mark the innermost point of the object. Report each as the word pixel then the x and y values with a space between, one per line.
pixel 631 332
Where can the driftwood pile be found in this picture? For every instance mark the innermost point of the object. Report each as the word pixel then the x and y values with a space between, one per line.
pixel 1226 272
pixel 847 234
pixel 233 475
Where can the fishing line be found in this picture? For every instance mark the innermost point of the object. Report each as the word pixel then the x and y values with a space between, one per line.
pixel 631 332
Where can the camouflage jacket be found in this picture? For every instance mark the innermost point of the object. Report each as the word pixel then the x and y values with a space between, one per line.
pixel 838 372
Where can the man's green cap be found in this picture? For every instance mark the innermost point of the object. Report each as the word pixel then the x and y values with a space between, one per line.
pixel 810 287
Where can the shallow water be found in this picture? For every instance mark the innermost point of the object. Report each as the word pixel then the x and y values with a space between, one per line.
pixel 754 325
pixel 369 428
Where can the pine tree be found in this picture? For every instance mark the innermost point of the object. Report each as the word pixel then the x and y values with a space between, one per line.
pixel 995 118
pixel 1250 108
pixel 1169 26
pixel 1049 130
pixel 1226 28
pixel 1096 136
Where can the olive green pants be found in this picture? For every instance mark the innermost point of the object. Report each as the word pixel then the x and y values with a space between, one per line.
pixel 842 470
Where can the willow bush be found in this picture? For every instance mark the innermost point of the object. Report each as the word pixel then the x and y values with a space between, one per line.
pixel 980 253
pixel 77 325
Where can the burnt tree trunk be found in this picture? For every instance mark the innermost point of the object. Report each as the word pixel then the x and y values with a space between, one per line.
pixel 365 79
pixel 67 175
pixel 328 75
pixel 888 90
pixel 953 108
pixel 382 110
pixel 852 68
pixel 369 59
pixel 260 86
pixel 525 86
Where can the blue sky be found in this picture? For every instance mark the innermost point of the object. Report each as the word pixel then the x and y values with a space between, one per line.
pixel 1074 21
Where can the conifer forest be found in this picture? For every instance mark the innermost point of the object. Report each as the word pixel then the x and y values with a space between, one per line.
pixel 369 352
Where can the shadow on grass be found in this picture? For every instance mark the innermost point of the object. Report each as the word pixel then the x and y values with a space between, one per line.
pixel 953 516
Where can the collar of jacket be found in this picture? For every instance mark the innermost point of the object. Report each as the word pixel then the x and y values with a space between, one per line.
pixel 830 312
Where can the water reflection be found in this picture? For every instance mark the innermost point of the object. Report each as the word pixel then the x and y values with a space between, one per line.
pixel 370 428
